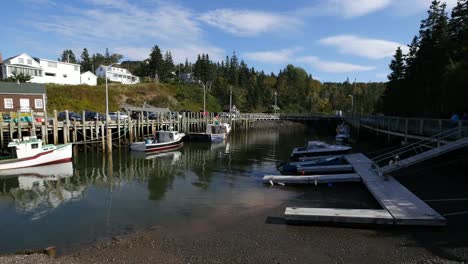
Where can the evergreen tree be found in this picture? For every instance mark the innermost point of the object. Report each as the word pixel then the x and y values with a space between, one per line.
pixel 86 63
pixel 156 62
pixel 68 56
pixel 397 66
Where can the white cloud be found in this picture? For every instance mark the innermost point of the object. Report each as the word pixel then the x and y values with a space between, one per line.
pixel 125 27
pixel 272 56
pixel 363 47
pixel 333 66
pixel 248 22
pixel 356 8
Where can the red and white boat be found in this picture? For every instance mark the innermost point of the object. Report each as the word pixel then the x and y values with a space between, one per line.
pixel 30 152
pixel 163 141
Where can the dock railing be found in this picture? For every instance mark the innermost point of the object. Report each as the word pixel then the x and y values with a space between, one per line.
pixel 421 145
pixel 418 128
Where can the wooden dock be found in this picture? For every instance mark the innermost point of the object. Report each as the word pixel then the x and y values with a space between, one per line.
pixel 404 207
pixel 311 179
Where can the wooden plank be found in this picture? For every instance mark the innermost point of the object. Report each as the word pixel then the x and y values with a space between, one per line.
pixel 313 179
pixel 334 215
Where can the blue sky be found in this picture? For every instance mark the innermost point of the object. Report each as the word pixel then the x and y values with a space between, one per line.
pixel 331 39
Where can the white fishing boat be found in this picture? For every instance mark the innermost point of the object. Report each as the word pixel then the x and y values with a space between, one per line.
pixel 30 152
pixel 342 133
pixel 318 148
pixel 218 131
pixel 162 141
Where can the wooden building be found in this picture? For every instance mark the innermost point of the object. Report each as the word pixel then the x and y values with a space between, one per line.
pixel 22 97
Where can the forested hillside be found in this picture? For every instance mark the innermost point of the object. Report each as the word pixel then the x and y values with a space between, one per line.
pixel 431 80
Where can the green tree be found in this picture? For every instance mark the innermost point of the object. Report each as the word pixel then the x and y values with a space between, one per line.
pixel 68 56
pixel 86 63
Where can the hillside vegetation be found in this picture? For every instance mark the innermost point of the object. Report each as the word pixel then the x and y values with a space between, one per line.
pixel 83 97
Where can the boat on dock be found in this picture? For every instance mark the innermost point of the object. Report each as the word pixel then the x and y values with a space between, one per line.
pixel 318 148
pixel 30 152
pixel 162 141
pixel 317 165
pixel 342 133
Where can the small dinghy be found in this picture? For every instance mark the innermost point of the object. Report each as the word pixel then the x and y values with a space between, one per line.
pixel 162 141
pixel 318 148
pixel 318 165
pixel 218 131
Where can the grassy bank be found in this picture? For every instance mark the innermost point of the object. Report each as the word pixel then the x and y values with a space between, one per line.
pixel 82 97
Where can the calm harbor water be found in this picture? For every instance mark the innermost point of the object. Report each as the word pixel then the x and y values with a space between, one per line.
pixel 95 196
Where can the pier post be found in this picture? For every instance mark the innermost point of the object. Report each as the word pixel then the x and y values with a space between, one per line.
pixel 109 138
pixel 66 128
pixel 103 138
pixel 406 130
pixel 55 127
pixel 83 128
pixel 130 129
pixel 44 133
pixel 118 127
pixel 1 135
pixel 11 124
pixel 46 124
pixel 18 118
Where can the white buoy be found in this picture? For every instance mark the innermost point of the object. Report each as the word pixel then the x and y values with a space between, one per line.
pixel 271 182
pixel 282 184
pixel 315 181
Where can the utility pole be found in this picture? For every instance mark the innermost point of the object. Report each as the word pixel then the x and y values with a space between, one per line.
pixel 204 99
pixel 230 104
pixel 276 106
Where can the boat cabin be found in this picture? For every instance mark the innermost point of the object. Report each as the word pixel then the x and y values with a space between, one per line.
pixel 28 147
pixel 165 136
pixel 216 128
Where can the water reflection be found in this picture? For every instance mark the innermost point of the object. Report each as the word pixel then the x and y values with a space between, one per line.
pixel 38 190
pixel 103 194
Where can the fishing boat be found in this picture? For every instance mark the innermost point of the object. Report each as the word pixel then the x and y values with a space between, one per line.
pixel 162 141
pixel 318 148
pixel 30 152
pixel 342 133
pixel 316 165
pixel 218 131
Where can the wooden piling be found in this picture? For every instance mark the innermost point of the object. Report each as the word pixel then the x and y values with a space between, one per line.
pixel 118 127
pixel 18 118
pixel 102 138
pixel 55 128
pixel 83 128
pixel 66 128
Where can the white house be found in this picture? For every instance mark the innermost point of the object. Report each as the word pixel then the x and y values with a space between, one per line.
pixel 115 74
pixel 89 78
pixel 60 72
pixel 22 63
pixel 41 70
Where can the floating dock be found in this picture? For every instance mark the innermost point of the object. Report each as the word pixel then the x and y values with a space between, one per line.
pixel 399 205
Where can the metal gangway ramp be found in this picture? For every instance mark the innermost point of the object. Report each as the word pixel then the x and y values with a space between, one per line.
pixel 421 150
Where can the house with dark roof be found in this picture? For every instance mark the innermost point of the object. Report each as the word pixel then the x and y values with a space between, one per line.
pixel 22 97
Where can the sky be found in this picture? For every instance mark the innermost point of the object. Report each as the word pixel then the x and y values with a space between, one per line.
pixel 331 39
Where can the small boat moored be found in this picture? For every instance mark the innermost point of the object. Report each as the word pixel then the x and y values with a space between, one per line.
pixel 162 141
pixel 318 148
pixel 218 131
pixel 342 133
pixel 30 152
pixel 316 165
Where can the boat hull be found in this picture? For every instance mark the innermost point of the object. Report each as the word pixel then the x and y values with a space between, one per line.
pixel 299 154
pixel 156 147
pixel 62 153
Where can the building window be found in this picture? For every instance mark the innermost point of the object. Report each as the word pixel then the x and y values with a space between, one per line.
pixel 51 64
pixel 38 104
pixel 34 146
pixel 76 68
pixel 24 104
pixel 30 61
pixel 21 60
pixel 64 76
pixel 50 74
pixel 8 103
